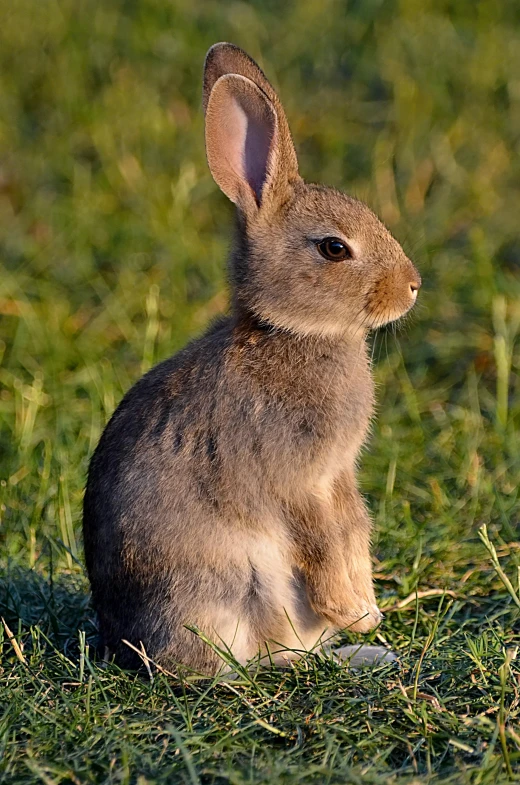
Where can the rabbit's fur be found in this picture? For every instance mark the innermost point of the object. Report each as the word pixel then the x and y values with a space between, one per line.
pixel 223 492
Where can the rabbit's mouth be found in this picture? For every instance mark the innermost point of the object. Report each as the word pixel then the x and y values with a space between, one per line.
pixel 383 313
pixel 379 320
pixel 393 297
pixel 379 313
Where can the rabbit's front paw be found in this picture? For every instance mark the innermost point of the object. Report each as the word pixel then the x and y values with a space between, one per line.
pixel 367 616
pixel 362 617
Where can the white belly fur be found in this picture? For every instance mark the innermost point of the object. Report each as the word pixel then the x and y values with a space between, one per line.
pixel 283 599
pixel 284 592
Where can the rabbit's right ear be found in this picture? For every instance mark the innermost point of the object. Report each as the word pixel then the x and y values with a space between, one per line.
pixel 248 143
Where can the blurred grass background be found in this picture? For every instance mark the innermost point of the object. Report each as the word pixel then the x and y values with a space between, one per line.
pixel 113 240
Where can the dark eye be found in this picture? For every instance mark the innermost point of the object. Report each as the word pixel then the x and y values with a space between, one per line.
pixel 334 250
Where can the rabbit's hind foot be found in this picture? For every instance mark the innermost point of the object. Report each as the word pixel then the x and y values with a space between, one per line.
pixel 359 656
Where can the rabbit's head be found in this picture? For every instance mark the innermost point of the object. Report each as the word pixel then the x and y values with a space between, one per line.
pixel 308 258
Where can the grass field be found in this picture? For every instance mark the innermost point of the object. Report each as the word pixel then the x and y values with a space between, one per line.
pixel 113 240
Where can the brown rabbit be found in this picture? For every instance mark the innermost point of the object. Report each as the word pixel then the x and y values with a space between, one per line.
pixel 223 492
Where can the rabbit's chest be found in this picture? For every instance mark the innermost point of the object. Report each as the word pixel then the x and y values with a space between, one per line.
pixel 354 403
pixel 341 408
pixel 346 420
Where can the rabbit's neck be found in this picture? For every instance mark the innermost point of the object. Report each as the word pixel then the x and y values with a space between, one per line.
pixel 329 376
pixel 313 396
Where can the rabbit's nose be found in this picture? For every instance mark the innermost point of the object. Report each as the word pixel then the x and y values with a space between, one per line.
pixel 414 288
pixel 414 284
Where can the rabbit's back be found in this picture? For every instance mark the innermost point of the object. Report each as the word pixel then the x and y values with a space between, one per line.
pixel 230 421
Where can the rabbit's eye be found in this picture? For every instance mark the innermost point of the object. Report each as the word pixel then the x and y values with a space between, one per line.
pixel 334 250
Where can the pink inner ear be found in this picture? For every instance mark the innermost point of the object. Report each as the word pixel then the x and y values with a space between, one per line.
pixel 256 154
pixel 250 134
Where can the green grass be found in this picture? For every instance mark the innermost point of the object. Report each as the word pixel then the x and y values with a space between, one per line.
pixel 112 246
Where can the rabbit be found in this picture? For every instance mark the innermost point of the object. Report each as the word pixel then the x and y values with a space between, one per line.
pixel 222 496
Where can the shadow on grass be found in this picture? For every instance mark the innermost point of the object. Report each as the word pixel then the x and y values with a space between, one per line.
pixel 59 605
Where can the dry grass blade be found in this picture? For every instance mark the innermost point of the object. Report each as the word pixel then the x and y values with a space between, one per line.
pixel 147 661
pixel 14 643
pixel 483 534
pixel 419 595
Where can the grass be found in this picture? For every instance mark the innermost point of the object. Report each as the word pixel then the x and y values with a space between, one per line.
pixel 112 246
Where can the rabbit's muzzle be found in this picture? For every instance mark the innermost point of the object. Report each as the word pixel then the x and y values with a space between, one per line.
pixel 393 295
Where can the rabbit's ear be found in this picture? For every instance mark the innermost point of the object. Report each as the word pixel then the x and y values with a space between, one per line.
pixel 224 59
pixel 248 142
pixel 241 140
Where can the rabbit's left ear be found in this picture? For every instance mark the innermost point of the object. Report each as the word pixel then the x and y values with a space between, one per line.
pixel 248 142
